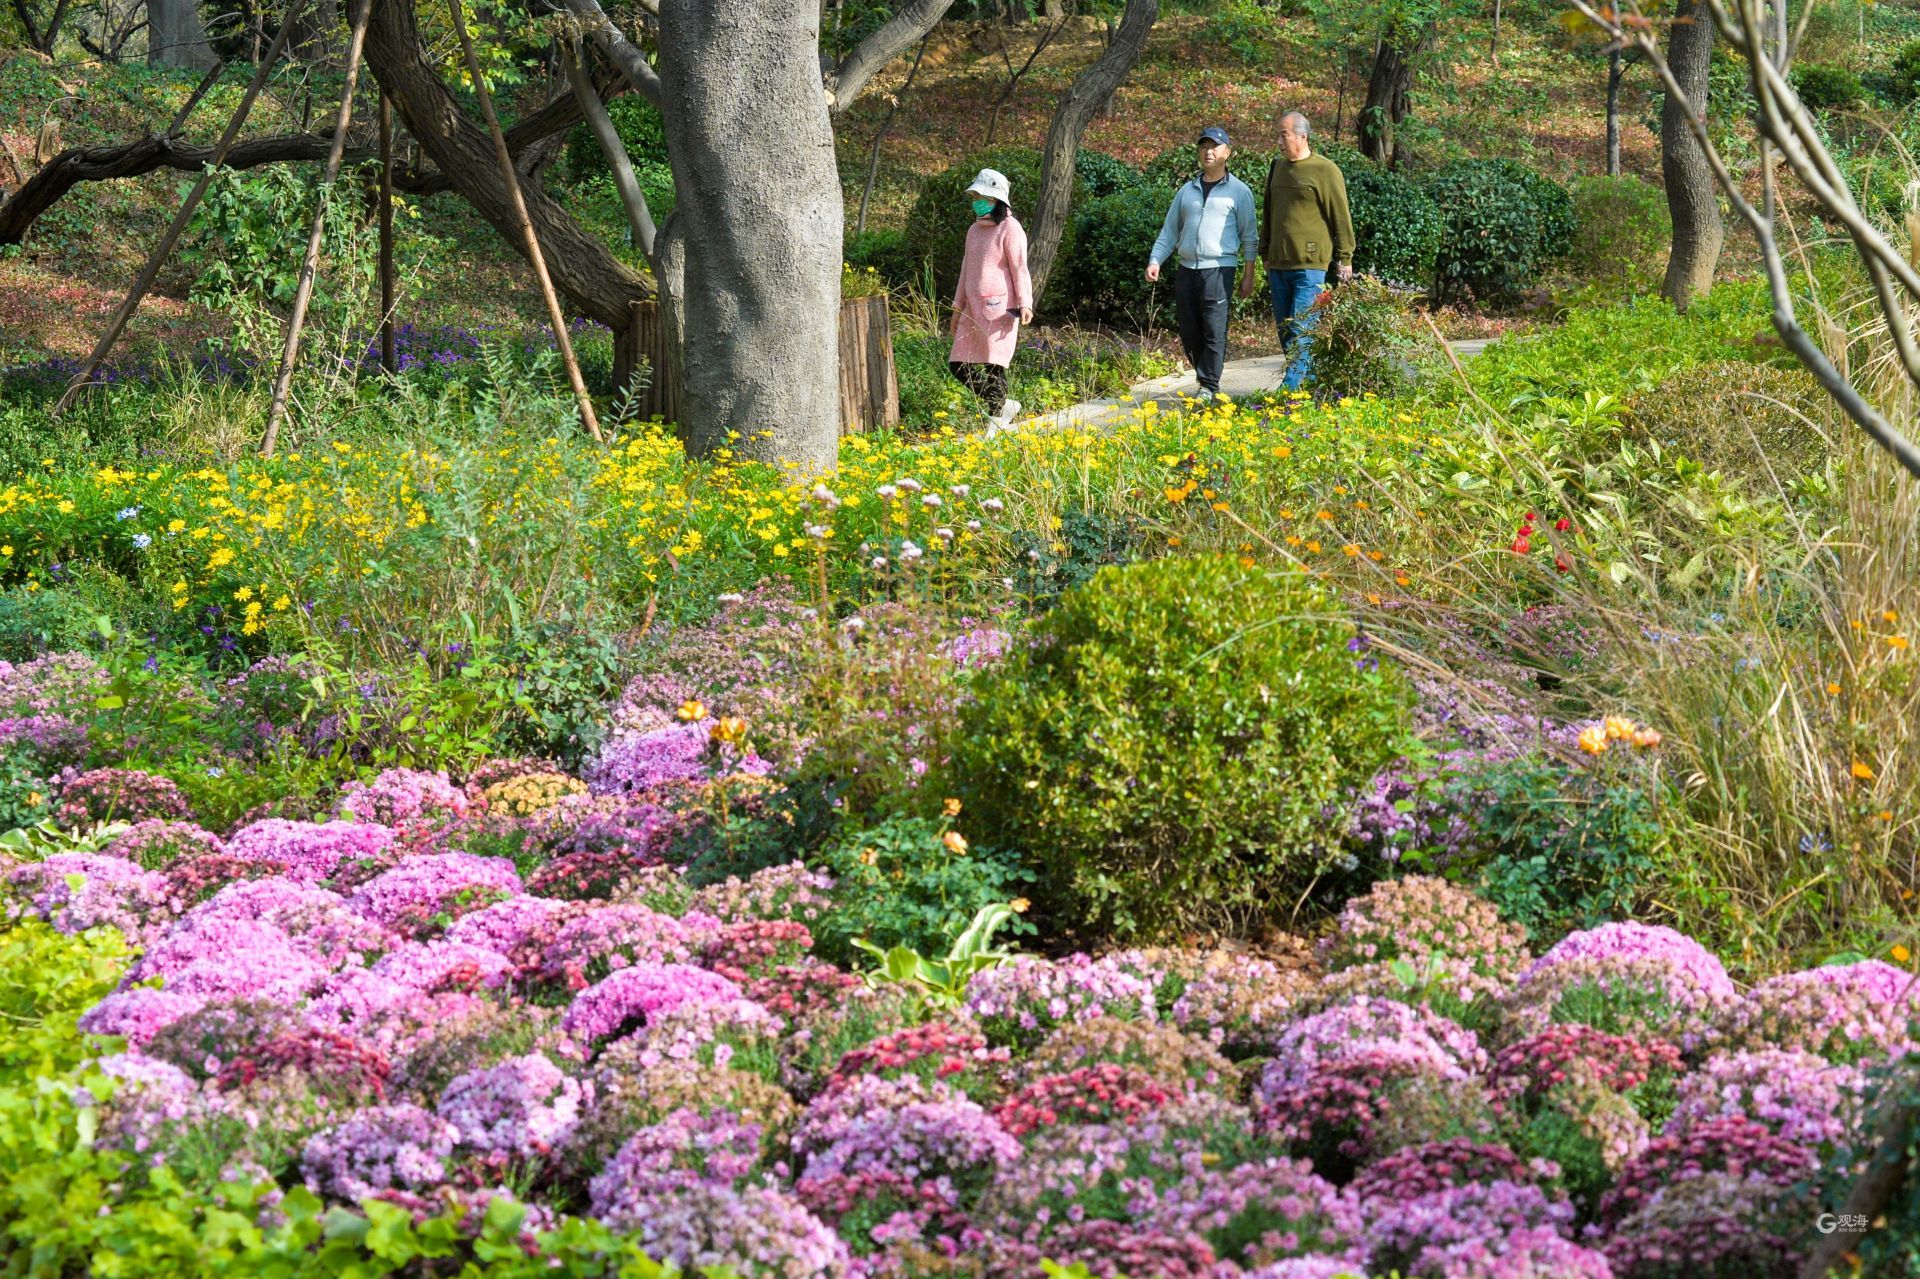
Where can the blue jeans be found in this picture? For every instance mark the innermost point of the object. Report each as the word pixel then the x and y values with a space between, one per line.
pixel 1294 293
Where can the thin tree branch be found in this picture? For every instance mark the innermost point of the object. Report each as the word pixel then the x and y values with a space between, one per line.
pixel 639 217
pixel 629 57
pixel 847 79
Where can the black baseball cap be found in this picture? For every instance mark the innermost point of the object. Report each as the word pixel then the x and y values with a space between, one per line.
pixel 1215 134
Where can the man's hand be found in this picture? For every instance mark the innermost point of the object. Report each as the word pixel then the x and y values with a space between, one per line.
pixel 1248 283
pixel 1153 272
pixel 1343 272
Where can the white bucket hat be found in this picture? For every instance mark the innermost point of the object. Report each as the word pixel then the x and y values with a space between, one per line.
pixel 992 184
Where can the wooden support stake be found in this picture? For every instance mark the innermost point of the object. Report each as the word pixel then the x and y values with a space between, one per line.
pixel 310 264
pixel 387 301
pixel 178 226
pixel 512 178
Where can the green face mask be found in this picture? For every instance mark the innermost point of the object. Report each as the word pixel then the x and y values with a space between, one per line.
pixel 981 208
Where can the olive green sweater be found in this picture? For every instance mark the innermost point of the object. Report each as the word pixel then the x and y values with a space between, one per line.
pixel 1305 224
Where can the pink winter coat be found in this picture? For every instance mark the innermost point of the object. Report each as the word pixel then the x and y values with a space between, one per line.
pixel 994 286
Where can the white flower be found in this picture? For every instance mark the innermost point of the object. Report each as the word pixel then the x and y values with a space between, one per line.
pixel 973 526
pixel 817 530
pixel 823 494
pixel 910 484
pixel 730 597
pixel 943 533
pixel 879 561
pixel 961 490
pixel 930 500
pixel 853 623
pixel 809 613
pixel 993 504
pixel 909 552
pixel 886 491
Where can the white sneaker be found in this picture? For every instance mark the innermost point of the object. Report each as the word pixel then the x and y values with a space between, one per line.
pixel 1009 410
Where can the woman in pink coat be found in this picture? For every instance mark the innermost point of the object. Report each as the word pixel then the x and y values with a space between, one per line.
pixel 994 299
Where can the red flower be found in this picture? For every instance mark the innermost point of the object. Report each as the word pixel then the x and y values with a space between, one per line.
pixel 1521 546
pixel 1562 524
pixel 1562 563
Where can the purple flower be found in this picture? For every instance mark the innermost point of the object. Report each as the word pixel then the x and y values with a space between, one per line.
pixel 52 741
pixel 751 1230
pixel 421 889
pixel 308 851
pixel 1262 1212
pixel 138 1015
pixel 686 1148
pixel 1639 979
pixel 1847 1013
pixel 396 1147
pixel 524 1106
pixel 1798 1096
pixel 635 995
pixel 442 965
pixel 1382 1028
pixel 679 753
pixel 401 795
pixel 78 891
pixel 1020 1001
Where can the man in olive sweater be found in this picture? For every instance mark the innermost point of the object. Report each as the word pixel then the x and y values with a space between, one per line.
pixel 1304 228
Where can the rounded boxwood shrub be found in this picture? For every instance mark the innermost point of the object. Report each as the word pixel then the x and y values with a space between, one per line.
pixel 1175 747
pixel 1111 237
pixel 1103 175
pixel 1826 88
pixel 1625 229
pixel 937 225
pixel 1503 224
pixel 1903 73
pixel 1396 226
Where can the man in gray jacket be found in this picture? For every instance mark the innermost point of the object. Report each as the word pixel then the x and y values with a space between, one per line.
pixel 1211 225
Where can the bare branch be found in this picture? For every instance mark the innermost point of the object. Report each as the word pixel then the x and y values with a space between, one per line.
pixel 639 217
pixel 848 78
pixel 624 53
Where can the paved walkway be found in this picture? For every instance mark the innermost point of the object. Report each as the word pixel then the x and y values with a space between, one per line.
pixel 1241 379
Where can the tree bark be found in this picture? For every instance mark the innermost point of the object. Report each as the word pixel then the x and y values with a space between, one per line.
pixel 598 283
pixel 1090 88
pixel 175 36
pixel 751 146
pixel 632 198
pixel 41 37
pixel 1389 89
pixel 1616 71
pixel 1698 229
pixel 911 22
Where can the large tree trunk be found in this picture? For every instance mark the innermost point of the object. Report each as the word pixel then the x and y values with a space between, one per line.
pixel 1389 89
pixel 583 268
pixel 759 206
pixel 1691 195
pixel 1090 89
pixel 175 36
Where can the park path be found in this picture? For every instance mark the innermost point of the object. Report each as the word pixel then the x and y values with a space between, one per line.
pixel 1240 379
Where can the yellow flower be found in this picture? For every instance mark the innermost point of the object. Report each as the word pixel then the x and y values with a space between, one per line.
pixel 1897 642
pixel 1862 771
pixel 955 842
pixel 729 728
pixel 1352 551
pixel 1900 954
pixel 950 809
pixel 869 856
pixel 690 710
pixel 1646 738
pixel 1886 814
pixel 1890 616
pixel 1833 688
pixel 1593 740
pixel 1619 728
pixel 1020 905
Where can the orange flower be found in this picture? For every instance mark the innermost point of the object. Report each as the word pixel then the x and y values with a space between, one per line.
pixel 955 842
pixel 690 710
pixel 1646 738
pixel 1593 740
pixel 731 729
pixel 1619 728
pixel 1898 642
pixel 1020 905
pixel 1862 771
pixel 1833 688
pixel 1900 954
pixel 951 808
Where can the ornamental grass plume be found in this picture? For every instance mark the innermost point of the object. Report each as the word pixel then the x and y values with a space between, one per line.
pixel 1799 1097
pixel 395 1147
pixel 308 851
pixel 1851 1014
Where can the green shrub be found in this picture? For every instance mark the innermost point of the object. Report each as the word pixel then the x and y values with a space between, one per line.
pixel 1085 542
pixel 1903 72
pixel 1364 341
pixel 1739 418
pixel 937 225
pixel 1396 226
pixel 1103 175
pixel 899 884
pixel 1174 747
pixel 1503 224
pixel 1175 166
pixel 1112 236
pixel 1826 88
pixel 1624 229
pixel 641 129
pixel 885 251
pixel 1247 29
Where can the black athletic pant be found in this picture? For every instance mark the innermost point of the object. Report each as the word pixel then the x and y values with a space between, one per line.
pixel 988 381
pixel 1203 299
